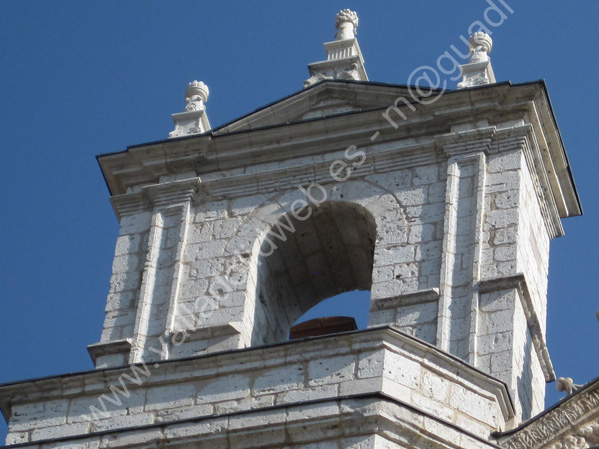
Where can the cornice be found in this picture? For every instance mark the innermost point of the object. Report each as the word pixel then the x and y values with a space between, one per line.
pixel 417 297
pixel 493 140
pixel 109 347
pixel 374 413
pixel 209 365
pixel 552 150
pixel 524 137
pixel 210 154
pixel 156 196
pixel 572 423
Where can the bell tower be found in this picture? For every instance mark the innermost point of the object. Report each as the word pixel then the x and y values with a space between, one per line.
pixel 442 206
pixel 228 237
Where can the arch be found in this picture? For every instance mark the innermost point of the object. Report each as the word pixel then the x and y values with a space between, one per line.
pixel 307 256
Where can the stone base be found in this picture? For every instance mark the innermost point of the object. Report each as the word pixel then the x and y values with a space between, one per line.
pixel 365 389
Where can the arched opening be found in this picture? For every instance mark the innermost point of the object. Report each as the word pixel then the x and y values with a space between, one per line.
pixel 307 257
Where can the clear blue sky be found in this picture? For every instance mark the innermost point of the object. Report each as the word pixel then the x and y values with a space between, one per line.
pixel 82 78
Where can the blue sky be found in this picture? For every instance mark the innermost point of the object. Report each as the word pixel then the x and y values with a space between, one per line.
pixel 82 78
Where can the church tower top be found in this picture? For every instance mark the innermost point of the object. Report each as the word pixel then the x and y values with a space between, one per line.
pixel 440 210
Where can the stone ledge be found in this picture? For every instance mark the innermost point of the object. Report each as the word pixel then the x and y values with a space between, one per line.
pixel 421 296
pixel 228 146
pixel 109 348
pixel 372 361
pixel 296 423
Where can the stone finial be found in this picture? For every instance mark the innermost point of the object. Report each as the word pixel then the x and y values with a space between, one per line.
pixel 478 71
pixel 196 95
pixel 567 384
pixel 194 120
pixel 344 57
pixel 346 22
pixel 480 45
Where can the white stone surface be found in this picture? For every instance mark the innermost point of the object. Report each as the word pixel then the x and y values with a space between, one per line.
pixel 478 71
pixel 344 57
pixel 445 219
pixel 232 395
pixel 231 256
pixel 346 22
pixel 194 120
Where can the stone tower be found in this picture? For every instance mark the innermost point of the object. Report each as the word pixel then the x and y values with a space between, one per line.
pixel 442 205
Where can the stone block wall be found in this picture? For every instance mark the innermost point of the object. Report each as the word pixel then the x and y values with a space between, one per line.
pixel 533 245
pixel 233 259
pixel 512 295
pixel 127 271
pixel 370 375
pixel 505 349
pixel 229 284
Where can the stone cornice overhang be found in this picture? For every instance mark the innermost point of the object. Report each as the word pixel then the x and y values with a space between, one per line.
pixel 95 382
pixel 364 420
pixel 563 419
pixel 217 151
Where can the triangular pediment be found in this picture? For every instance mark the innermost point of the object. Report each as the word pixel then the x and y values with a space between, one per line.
pixel 327 98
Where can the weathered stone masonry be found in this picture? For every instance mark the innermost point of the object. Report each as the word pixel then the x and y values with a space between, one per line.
pixel 449 228
pixel 444 211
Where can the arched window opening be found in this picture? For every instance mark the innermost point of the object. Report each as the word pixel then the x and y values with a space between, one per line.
pixel 308 257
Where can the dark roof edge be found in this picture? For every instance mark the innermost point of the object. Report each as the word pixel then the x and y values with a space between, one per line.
pixel 212 134
pixel 559 135
pixel 213 130
pixel 365 83
pixel 98 156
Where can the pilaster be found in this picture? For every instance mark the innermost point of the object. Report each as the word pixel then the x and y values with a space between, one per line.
pixel 147 273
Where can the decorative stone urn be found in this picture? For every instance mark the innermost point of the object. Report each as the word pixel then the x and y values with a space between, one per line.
pixel 480 45
pixel 347 24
